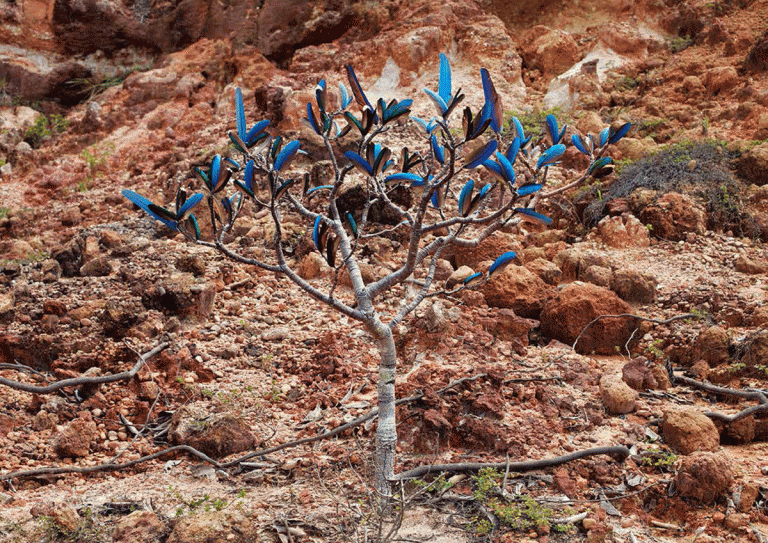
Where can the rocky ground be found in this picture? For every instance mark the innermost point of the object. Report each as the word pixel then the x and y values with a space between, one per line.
pixel 249 362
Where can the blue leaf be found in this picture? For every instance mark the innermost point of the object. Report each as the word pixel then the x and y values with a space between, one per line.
pixel 185 209
pixel 214 174
pixel 404 176
pixel 440 104
pixel 493 109
pixel 519 132
pixel 478 198
pixel 532 216
pixel 525 190
pixel 481 154
pixel 359 162
pixel 619 133
pixel 320 96
pixel 514 148
pixel 472 279
pixel 465 197
pixel 255 134
pixel 240 114
pixel 345 98
pixel 146 206
pixel 508 172
pixel 312 120
pixel 580 144
pixel 286 154
pixel 428 127
pixel 444 89
pixel 495 168
pixel 604 135
pixel 437 149
pixel 500 263
pixel 550 156
pixel 316 233
pixel 554 133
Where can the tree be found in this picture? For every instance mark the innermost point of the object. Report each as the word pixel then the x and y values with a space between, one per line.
pixel 424 197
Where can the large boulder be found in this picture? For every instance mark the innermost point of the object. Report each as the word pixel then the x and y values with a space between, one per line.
pixel 704 477
pixel 519 289
pixel 215 434
pixel 673 216
pixel 687 431
pixel 565 317
pixel 752 165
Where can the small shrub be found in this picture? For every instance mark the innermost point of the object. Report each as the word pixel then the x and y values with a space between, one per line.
pixel 45 127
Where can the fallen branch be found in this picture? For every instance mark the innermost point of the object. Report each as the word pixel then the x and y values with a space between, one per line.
pixel 109 467
pixel 530 465
pixel 725 391
pixel 624 315
pixel 77 381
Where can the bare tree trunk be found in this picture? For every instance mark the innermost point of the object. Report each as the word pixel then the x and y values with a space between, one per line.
pixel 386 431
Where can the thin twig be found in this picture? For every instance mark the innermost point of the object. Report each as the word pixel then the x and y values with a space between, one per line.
pixel 77 381
pixel 530 465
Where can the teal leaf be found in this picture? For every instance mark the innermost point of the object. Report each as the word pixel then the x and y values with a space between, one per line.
pixel 240 114
pixel 444 84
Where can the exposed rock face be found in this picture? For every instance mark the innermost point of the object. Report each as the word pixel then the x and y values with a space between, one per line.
pixel 624 231
pixel 550 51
pixel 565 316
pixel 757 59
pixel 182 295
pixel 687 431
pixel 704 477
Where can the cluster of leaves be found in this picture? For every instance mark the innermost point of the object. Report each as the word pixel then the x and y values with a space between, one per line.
pixel 45 126
pixel 427 174
pixel 660 459
pixel 521 514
